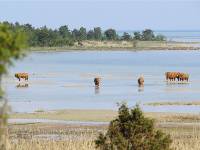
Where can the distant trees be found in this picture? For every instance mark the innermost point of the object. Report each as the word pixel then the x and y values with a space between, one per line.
pixel 90 35
pixel 148 35
pixel 63 36
pixel 76 34
pixel 137 36
pixel 131 130
pixel 64 32
pixel 29 30
pixel 97 33
pixel 83 33
pixel 126 37
pixel 43 36
pixel 110 34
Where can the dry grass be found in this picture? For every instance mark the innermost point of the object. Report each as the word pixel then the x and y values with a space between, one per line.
pixel 184 137
pixel 138 44
pixel 174 103
pixel 129 45
pixel 174 117
pixel 73 137
pixel 52 145
pixel 183 128
pixel 53 137
pixel 71 114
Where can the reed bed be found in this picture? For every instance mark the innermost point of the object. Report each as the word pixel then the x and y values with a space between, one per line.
pixel 184 138
pixel 52 145
pixel 75 137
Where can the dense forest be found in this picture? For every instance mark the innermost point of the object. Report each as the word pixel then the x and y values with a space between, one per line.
pixel 63 36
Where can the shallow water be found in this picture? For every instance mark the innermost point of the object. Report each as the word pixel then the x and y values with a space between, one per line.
pixel 60 80
pixel 88 123
pixel 22 121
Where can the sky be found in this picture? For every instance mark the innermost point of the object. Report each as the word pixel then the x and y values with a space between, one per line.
pixel 117 14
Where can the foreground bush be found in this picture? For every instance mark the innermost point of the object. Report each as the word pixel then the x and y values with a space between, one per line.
pixel 11 44
pixel 132 131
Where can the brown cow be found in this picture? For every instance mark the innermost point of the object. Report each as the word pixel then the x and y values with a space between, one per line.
pixel 186 77
pixel 141 81
pixel 20 76
pixel 183 76
pixel 172 76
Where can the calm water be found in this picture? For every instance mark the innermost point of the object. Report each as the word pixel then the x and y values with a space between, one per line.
pixel 181 36
pixel 60 80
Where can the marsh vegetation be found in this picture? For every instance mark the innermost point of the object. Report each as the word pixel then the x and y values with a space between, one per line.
pixel 44 136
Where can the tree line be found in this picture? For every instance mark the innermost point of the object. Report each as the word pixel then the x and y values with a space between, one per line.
pixel 63 36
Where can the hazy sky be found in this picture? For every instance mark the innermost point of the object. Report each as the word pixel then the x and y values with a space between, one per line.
pixel 118 14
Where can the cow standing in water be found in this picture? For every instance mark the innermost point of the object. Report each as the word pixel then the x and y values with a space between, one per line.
pixel 183 76
pixel 172 76
pixel 97 82
pixel 20 76
pixel 141 81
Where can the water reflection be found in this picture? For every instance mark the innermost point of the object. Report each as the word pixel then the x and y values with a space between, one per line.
pixel 96 90
pixel 140 88
pixel 177 82
pixel 119 70
pixel 22 85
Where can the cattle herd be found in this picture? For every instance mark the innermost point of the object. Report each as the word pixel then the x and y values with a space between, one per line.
pixel 170 76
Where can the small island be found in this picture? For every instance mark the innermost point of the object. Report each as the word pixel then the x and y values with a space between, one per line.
pixel 62 39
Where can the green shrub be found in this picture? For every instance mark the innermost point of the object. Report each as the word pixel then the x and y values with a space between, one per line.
pixel 132 131
pixel 11 48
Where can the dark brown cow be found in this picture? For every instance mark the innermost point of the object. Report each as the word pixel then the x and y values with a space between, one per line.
pixel 171 76
pixel 97 81
pixel 141 81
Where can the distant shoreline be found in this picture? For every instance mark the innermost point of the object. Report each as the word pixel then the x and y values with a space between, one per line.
pixel 123 45
pixel 98 115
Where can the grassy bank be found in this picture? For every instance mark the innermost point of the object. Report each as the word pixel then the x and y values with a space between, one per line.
pixel 69 115
pixel 124 45
pixel 101 116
